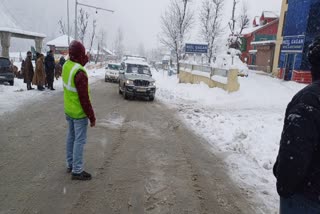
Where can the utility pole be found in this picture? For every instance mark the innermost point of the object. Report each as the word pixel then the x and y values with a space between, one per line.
pixel 76 22
pixel 68 23
pixel 76 14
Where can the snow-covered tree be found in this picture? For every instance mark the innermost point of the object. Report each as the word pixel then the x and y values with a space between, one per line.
pixel 118 44
pixel 243 22
pixel 176 24
pixel 141 50
pixel 93 34
pixel 62 27
pixel 83 20
pixel 102 37
pixel 210 19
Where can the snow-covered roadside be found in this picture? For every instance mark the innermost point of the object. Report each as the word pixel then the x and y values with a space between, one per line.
pixel 244 127
pixel 13 97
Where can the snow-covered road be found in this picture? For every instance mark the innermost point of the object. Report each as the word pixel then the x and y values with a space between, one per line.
pixel 13 97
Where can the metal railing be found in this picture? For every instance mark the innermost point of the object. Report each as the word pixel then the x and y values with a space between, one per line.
pixel 260 68
pixel 207 69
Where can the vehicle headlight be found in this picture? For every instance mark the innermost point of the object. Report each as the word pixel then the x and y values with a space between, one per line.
pixel 152 84
pixel 129 82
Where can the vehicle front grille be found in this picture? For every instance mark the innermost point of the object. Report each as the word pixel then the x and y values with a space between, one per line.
pixel 143 83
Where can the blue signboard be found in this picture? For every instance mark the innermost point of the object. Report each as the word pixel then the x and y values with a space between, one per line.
pixel 196 48
pixel 293 44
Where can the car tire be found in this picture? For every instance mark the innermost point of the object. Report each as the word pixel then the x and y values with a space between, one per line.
pixel 11 82
pixel 151 98
pixel 124 93
pixel 120 92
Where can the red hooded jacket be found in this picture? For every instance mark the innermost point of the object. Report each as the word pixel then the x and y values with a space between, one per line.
pixel 77 53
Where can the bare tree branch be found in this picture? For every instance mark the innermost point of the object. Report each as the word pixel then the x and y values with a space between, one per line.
pixel 94 26
pixel 83 24
pixel 211 23
pixel 118 44
pixel 243 23
pixel 62 27
pixel 175 25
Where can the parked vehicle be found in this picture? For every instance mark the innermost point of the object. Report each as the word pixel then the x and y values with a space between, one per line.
pixel 6 73
pixel 136 80
pixel 112 72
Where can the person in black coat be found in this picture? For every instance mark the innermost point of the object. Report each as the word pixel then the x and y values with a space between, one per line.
pixel 62 61
pixel 297 168
pixel 49 67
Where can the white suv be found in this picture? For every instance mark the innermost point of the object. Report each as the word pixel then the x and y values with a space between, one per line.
pixel 112 72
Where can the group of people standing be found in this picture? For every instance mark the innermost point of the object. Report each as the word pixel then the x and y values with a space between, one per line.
pixel 43 74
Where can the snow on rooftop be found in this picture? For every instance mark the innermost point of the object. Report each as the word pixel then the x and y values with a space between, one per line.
pixel 7 21
pixel 8 24
pixel 251 30
pixel 109 51
pixel 166 57
pixel 61 41
pixel 23 32
pixel 270 14
pixel 264 42
pixel 136 62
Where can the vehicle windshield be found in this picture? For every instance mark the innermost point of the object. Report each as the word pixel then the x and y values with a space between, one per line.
pixel 4 63
pixel 113 67
pixel 138 69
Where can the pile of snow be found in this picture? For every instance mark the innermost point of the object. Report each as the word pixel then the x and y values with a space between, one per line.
pixel 244 126
pixel 231 61
pixel 13 97
pixel 226 61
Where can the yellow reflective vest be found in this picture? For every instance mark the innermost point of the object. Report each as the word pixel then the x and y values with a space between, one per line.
pixel 72 105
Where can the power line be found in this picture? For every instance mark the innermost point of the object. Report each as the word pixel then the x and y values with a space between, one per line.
pixel 85 5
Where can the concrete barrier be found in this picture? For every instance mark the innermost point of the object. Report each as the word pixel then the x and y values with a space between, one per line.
pixel 213 77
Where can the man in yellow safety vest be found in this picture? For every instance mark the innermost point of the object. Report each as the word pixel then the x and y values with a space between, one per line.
pixel 78 109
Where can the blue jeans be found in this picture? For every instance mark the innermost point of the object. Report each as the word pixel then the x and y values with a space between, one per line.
pixel 298 204
pixel 76 138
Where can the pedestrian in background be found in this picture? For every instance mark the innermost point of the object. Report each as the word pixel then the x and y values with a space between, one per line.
pixel 28 71
pixel 39 76
pixel 297 168
pixel 78 109
pixel 62 60
pixel 49 67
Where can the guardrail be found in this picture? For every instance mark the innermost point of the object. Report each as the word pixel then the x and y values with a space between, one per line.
pixel 260 68
pixel 213 77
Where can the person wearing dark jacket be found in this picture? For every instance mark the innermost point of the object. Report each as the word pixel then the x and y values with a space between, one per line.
pixel 297 168
pixel 49 67
pixel 62 60
pixel 78 109
pixel 28 71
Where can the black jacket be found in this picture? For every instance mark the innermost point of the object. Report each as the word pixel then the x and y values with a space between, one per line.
pixel 49 63
pixel 297 168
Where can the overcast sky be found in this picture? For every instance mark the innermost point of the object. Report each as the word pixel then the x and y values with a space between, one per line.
pixel 139 19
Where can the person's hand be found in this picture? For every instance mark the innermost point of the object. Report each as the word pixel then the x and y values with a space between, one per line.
pixel 93 123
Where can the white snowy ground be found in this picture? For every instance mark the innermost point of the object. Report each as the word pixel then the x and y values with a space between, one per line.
pixel 13 97
pixel 244 127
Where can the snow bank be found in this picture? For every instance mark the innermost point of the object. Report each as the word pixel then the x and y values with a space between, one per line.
pixel 243 126
pixel 13 97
